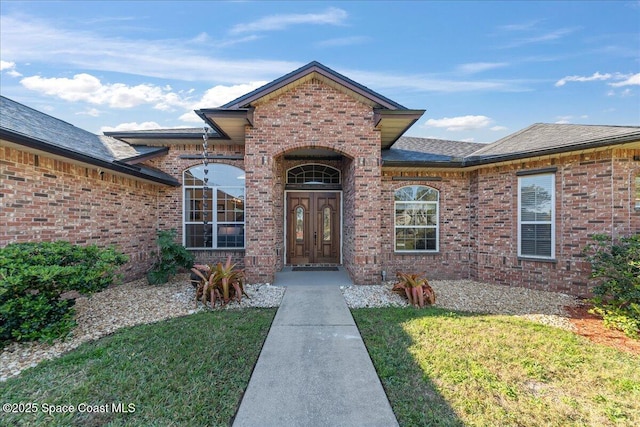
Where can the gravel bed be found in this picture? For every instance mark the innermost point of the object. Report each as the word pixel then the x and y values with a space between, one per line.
pixel 137 303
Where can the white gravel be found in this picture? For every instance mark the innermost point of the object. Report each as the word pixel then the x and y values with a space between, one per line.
pixel 136 303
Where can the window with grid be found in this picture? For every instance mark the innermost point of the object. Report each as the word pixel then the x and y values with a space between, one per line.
pixel 416 219
pixel 536 216
pixel 313 174
pixel 221 203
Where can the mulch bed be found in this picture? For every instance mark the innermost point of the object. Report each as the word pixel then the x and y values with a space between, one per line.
pixel 591 326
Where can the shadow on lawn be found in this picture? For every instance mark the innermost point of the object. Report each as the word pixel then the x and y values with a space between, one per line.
pixel 413 395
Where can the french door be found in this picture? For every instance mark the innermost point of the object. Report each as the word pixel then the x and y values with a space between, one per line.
pixel 313 227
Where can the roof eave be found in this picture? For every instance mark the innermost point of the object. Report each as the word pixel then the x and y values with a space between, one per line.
pixel 161 151
pixel 589 145
pixel 120 167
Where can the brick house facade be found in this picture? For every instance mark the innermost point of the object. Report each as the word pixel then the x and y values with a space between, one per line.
pixel 313 169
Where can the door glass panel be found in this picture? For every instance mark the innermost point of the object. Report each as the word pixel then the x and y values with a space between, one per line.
pixel 326 224
pixel 299 223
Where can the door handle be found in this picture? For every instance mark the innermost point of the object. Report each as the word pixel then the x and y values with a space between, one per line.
pixel 315 238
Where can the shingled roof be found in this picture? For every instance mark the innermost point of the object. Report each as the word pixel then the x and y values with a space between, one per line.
pixel 27 127
pixel 536 140
pixel 548 138
pixel 408 151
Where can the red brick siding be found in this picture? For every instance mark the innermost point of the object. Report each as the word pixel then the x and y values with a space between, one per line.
pixel 43 199
pixel 170 199
pixel 312 115
pixel 594 194
pixel 452 261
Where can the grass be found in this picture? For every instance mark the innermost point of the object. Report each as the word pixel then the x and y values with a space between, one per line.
pixel 453 369
pixel 184 371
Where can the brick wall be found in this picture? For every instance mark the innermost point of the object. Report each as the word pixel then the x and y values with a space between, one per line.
pixel 452 261
pixel 43 199
pixel 594 194
pixel 312 115
pixel 170 199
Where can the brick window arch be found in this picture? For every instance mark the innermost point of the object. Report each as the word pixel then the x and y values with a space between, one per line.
pixel 416 219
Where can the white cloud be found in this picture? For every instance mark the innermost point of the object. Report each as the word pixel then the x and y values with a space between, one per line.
pixel 93 112
pixel 10 68
pixel 131 126
pixel 633 80
pixel 625 79
pixel 468 140
pixel 178 59
pixel 594 77
pixel 563 120
pixel 542 38
pixel 87 88
pixel 460 123
pixel 217 96
pixel 498 128
pixel 331 16
pixel 343 41
pixel 6 65
pixel 427 83
pixel 478 67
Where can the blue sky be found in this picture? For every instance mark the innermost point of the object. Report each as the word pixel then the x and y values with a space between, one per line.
pixel 482 70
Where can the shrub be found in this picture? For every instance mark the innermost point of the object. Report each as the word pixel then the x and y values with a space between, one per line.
pixel 33 276
pixel 617 296
pixel 171 257
pixel 415 288
pixel 219 282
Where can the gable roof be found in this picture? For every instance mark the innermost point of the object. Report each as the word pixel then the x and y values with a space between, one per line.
pixel 313 69
pixel 30 128
pixel 230 119
pixel 536 140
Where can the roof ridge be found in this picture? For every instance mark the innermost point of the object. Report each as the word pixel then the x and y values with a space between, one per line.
pixel 301 70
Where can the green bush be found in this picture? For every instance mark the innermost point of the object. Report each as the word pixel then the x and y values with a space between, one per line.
pixel 171 257
pixel 33 276
pixel 617 296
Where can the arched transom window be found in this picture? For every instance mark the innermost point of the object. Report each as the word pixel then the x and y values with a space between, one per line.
pixel 313 174
pixel 416 219
pixel 221 203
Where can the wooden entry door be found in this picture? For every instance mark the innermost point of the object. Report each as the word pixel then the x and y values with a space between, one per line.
pixel 313 227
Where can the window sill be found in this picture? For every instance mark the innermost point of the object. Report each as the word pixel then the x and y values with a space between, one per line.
pixel 534 259
pixel 416 252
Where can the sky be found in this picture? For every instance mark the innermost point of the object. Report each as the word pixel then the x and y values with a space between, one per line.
pixel 482 70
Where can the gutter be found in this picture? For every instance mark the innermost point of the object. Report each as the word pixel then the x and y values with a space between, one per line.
pixel 74 155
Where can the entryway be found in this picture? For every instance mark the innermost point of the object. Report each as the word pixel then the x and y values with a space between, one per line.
pixel 313 227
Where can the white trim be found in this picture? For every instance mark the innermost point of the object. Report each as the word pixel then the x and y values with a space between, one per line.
pixel 286 211
pixel 213 222
pixel 552 221
pixel 436 227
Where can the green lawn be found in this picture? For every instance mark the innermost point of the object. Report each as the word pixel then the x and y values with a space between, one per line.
pixel 184 371
pixel 452 369
pixel 438 368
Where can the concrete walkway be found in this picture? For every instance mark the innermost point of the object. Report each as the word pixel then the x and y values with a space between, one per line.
pixel 314 369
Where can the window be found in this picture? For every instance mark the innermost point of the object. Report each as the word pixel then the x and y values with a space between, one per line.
pixel 221 204
pixel 536 216
pixel 416 219
pixel 313 174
